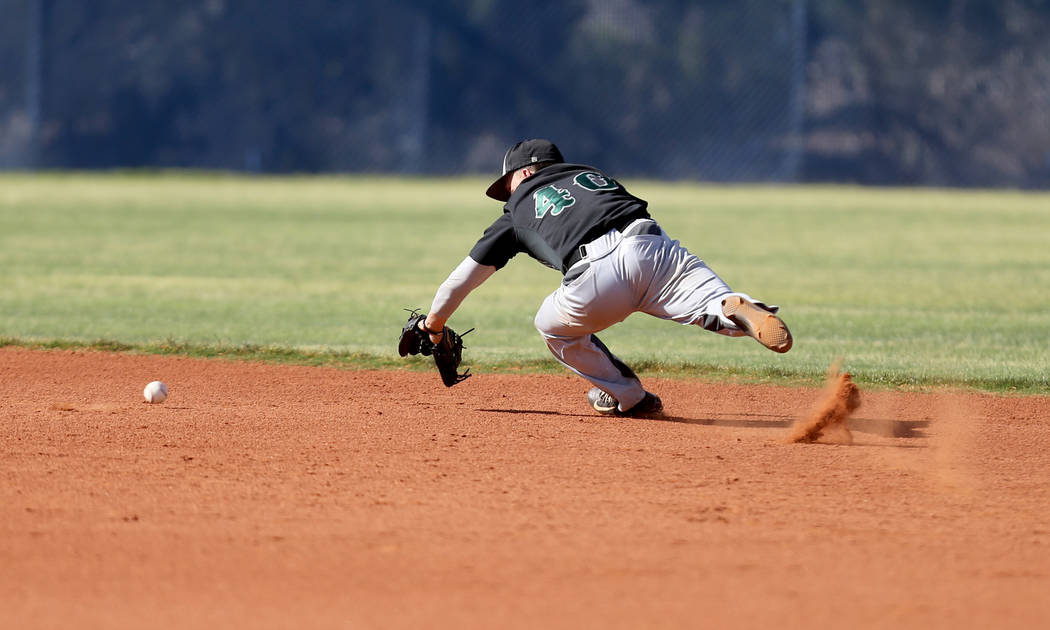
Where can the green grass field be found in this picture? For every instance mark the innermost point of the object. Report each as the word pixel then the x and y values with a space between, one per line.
pixel 909 287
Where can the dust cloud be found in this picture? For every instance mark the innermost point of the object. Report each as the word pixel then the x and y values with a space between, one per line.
pixel 827 421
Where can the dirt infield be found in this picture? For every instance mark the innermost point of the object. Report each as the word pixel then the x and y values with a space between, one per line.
pixel 262 496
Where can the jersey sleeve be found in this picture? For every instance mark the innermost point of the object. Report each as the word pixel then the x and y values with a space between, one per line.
pixel 468 276
pixel 498 244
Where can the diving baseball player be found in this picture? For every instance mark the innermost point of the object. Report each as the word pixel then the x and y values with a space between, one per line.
pixel 616 260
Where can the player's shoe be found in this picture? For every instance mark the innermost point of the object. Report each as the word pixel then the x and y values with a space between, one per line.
pixel 768 329
pixel 604 403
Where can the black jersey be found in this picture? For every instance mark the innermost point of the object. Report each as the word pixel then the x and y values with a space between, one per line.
pixel 553 212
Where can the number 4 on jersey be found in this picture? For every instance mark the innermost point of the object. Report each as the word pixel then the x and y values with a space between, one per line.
pixel 553 200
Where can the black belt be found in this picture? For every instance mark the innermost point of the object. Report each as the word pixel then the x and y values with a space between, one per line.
pixel 641 227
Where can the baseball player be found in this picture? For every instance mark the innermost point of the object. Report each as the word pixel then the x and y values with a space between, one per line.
pixel 616 260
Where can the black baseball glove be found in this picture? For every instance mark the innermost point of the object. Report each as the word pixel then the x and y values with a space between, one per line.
pixel 447 352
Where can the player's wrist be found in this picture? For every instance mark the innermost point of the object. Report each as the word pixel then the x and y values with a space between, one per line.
pixel 431 329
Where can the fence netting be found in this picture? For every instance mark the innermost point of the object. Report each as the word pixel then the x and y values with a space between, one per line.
pixel 883 92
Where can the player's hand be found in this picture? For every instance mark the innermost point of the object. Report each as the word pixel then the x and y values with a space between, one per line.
pixel 435 327
pixel 441 342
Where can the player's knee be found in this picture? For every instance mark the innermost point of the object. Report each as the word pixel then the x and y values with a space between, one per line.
pixel 551 329
pixel 540 323
pixel 551 326
pixel 546 319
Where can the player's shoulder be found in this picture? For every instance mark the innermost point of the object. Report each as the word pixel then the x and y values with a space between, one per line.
pixel 581 175
pixel 567 168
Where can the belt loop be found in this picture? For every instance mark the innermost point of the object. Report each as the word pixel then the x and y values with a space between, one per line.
pixel 583 252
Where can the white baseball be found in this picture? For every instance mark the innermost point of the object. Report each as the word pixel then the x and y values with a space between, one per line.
pixel 155 392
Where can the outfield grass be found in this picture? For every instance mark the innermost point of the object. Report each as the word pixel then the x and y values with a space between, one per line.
pixel 909 287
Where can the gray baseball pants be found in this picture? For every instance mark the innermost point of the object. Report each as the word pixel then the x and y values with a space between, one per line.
pixel 639 270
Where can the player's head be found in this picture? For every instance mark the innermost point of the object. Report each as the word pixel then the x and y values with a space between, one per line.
pixel 527 155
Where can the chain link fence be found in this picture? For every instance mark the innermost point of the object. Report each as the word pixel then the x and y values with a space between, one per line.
pixel 951 93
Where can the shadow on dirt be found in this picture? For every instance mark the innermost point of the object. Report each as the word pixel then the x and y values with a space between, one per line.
pixel 873 426
pixel 883 428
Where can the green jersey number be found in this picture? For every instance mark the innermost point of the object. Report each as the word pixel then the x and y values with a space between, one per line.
pixel 595 181
pixel 553 200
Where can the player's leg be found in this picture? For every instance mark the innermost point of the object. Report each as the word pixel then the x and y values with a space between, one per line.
pixel 686 290
pixel 575 346
pixel 568 319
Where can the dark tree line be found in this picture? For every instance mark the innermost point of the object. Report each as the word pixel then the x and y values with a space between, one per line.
pixel 942 92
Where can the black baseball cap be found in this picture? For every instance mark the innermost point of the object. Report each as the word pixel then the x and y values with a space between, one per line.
pixel 522 154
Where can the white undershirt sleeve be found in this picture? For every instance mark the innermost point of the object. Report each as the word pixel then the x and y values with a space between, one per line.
pixel 465 278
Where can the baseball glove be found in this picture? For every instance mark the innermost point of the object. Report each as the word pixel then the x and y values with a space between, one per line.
pixel 447 353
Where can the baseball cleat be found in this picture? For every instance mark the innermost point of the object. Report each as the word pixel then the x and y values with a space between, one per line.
pixel 605 404
pixel 602 402
pixel 767 329
pixel 649 407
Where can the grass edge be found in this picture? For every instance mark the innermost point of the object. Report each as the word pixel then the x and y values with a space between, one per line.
pixel 352 360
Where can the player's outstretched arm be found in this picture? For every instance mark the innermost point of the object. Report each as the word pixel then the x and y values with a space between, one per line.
pixel 468 276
